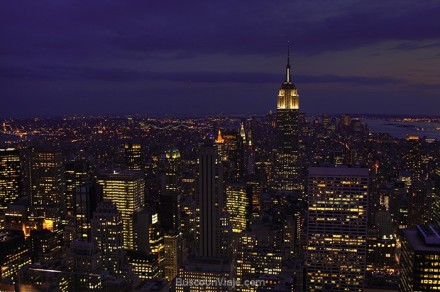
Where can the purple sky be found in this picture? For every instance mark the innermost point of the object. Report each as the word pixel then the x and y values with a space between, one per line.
pixel 202 57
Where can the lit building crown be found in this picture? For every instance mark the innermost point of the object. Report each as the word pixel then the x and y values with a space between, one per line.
pixel 288 97
pixel 219 137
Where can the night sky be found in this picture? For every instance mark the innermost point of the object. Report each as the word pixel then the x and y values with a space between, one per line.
pixel 208 57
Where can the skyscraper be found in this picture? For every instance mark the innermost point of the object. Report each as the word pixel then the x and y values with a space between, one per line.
pixel 47 187
pixel 107 233
pixel 173 255
pixel 420 257
pixel 10 176
pixel 126 190
pixel 436 199
pixel 337 228
pixel 85 200
pixel 238 205
pixel 210 202
pixel 287 121
pixel 77 173
pixel 133 155
pixel 170 196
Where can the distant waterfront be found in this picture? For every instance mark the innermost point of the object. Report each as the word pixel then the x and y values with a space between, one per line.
pixel 402 129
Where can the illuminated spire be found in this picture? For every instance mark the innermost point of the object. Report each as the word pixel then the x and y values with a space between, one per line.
pixel 219 137
pixel 242 131
pixel 249 136
pixel 288 76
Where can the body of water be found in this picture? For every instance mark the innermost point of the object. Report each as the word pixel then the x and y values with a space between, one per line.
pixel 402 129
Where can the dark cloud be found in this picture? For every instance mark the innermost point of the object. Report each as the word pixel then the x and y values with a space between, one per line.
pixel 120 75
pixel 411 46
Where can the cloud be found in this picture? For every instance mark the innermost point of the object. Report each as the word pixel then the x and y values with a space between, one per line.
pixel 350 80
pixel 195 27
pixel 411 46
pixel 125 75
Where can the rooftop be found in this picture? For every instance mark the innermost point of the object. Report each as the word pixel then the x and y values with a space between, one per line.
pixel 338 171
pixel 420 241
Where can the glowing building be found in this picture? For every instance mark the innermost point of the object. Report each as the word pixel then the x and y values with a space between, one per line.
pixel 144 265
pixel 204 275
pixel 173 255
pixel 133 156
pixel 10 176
pixel 258 256
pixel 337 228
pixel 420 258
pixel 126 190
pixel 238 205
pixel 107 234
pixel 47 198
pixel 287 173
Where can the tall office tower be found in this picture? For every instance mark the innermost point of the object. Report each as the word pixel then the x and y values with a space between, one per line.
pixel 107 233
pixel 220 142
pixel 155 236
pixel 420 201
pixel 173 255
pixel 249 152
pixel 170 196
pixel 238 205
pixel 287 172
pixel 142 221
pixel 172 170
pixel 14 254
pixel 381 245
pixel 258 255
pixel 210 202
pixel 84 253
pixel 10 176
pixel 242 146
pixel 253 190
pixel 86 266
pixel 412 158
pixel 229 150
pixel 85 201
pixel 46 246
pixel 126 190
pixel 337 228
pixel 436 199
pixel 419 260
pixel 47 188
pixel 170 211
pixel 77 173
pixel 133 156
pixel 230 146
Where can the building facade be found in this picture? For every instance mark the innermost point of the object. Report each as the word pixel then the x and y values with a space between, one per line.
pixel 337 228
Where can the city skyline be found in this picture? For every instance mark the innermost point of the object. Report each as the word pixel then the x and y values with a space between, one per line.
pixel 201 58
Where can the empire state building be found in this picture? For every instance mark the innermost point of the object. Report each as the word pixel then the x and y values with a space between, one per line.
pixel 286 176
